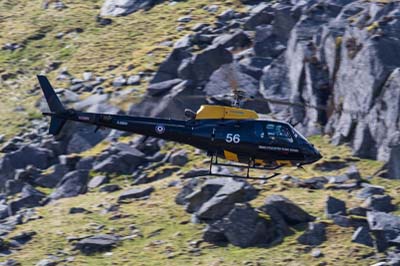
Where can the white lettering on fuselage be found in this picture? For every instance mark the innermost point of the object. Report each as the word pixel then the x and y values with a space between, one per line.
pixel 84 118
pixel 275 148
pixel 122 123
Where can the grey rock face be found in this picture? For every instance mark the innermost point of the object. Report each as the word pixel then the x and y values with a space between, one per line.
pixel 314 235
pixel 124 7
pixel 392 166
pixel 71 185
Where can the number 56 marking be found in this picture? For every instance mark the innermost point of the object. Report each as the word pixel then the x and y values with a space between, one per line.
pixel 235 138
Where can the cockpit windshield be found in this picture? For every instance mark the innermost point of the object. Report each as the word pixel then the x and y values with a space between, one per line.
pixel 298 136
pixel 280 132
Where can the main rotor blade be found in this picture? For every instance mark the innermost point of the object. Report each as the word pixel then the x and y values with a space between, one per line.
pixel 280 102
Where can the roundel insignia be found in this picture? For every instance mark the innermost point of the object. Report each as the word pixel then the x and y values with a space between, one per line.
pixel 160 129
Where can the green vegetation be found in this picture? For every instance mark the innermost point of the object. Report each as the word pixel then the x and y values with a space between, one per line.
pixel 135 41
pixel 172 245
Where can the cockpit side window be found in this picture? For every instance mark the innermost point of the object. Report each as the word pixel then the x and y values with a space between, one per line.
pixel 278 132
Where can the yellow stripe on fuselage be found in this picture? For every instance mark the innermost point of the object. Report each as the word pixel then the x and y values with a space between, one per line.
pixel 284 163
pixel 231 156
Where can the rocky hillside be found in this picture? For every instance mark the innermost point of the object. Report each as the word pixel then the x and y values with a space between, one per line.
pixel 106 197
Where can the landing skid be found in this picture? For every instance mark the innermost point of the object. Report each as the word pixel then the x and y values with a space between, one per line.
pixel 248 167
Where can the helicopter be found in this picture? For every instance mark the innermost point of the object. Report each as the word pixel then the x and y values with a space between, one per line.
pixel 232 133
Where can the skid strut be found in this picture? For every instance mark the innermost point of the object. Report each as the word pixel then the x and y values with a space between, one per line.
pixel 249 166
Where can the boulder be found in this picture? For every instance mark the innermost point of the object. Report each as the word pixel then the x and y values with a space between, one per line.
pixel 202 65
pixel 23 237
pixel 290 212
pixel 179 158
pixel 71 185
pixel 161 88
pixel 98 181
pixel 334 206
pixel 51 178
pixel 110 188
pixel 75 210
pixel 196 173
pixel 133 80
pixel 370 190
pixel 236 40
pixel 358 211
pixel 267 43
pixel 380 203
pixel 362 236
pixel 90 101
pixel 136 193
pixel 171 105
pixel 168 70
pixel 222 80
pixel 124 162
pixel 347 221
pixel 96 244
pixel 314 235
pixel 188 188
pixel 77 137
pixel 14 186
pixel 317 182
pixel 259 15
pixel 226 15
pixel 47 262
pixel 198 197
pixel 353 173
pixel 385 227
pixel 119 82
pixel 124 7
pixel 4 213
pixel 282 227
pixel 27 155
pixel 10 262
pixel 30 197
pixel 213 233
pixel 227 191
pixel 244 227
pixel 85 163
